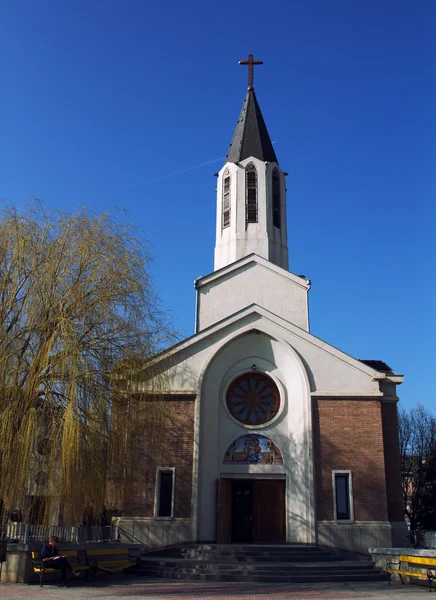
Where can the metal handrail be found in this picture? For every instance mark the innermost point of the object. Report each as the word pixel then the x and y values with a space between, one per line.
pixel 131 536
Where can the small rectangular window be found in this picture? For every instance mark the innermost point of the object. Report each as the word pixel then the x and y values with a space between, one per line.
pixel 342 496
pixel 165 492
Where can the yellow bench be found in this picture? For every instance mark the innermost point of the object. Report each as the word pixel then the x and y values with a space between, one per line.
pixel 420 561
pixel 39 567
pixel 116 565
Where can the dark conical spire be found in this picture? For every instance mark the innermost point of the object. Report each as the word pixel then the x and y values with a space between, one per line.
pixel 251 136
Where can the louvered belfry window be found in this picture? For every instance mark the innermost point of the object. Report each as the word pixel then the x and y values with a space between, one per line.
pixel 251 194
pixel 226 200
pixel 276 198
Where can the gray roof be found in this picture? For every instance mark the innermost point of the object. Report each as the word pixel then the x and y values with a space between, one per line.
pixel 377 365
pixel 251 136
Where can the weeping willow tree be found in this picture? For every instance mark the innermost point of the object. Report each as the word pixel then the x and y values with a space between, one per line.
pixel 78 316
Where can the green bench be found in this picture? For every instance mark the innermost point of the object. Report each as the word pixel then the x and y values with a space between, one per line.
pixel 113 560
pixel 422 562
pixel 78 563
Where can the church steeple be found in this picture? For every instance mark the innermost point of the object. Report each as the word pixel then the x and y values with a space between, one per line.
pixel 251 193
pixel 251 136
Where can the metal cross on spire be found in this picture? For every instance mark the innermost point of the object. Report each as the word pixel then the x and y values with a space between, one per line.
pixel 250 62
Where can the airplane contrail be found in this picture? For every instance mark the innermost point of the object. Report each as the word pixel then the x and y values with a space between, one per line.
pixel 180 171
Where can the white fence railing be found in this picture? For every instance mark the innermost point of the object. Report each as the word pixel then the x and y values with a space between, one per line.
pixel 77 534
pixel 423 539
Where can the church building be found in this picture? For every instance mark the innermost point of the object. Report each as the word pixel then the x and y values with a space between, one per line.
pixel 275 435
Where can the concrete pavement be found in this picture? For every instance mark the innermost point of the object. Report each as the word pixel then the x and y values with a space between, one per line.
pixel 109 588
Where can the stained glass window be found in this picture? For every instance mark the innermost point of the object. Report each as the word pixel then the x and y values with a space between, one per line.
pixel 253 399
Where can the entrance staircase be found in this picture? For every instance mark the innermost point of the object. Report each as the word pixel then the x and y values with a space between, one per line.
pixel 258 563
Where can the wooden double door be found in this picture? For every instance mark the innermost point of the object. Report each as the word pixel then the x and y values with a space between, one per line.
pixel 251 511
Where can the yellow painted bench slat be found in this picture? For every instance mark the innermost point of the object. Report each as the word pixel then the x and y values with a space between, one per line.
pixel 115 568
pixel 75 567
pixel 409 573
pixel 120 563
pixel 70 553
pixel 108 552
pixel 418 560
pixel 38 570
pixel 111 563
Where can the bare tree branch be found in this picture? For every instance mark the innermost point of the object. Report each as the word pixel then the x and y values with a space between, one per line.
pixel 417 432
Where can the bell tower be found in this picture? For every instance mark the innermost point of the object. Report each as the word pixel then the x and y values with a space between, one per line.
pixel 251 191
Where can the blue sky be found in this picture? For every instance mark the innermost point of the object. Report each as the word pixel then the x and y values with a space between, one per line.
pixel 102 103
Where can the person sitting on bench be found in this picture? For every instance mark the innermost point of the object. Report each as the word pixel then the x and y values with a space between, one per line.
pixel 52 560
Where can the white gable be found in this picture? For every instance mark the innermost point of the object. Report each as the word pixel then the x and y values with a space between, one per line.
pixel 252 280
pixel 330 372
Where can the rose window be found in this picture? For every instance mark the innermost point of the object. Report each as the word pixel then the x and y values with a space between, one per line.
pixel 253 399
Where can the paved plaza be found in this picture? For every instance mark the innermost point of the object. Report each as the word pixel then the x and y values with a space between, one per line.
pixel 136 589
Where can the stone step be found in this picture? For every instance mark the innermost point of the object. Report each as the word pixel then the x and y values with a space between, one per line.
pixel 260 563
pixel 275 565
pixel 251 549
pixel 248 547
pixel 323 565
pixel 251 554
pixel 245 558
pixel 269 578
pixel 233 552
pixel 251 571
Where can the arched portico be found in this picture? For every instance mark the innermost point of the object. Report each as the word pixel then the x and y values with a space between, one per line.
pixel 288 486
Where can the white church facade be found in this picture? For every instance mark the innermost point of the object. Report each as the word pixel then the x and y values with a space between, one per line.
pixel 276 436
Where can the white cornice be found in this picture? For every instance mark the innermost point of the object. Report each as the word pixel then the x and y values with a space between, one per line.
pixel 242 262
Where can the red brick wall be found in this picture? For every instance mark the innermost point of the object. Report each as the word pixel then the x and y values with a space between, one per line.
pixel 171 446
pixel 393 462
pixel 348 434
